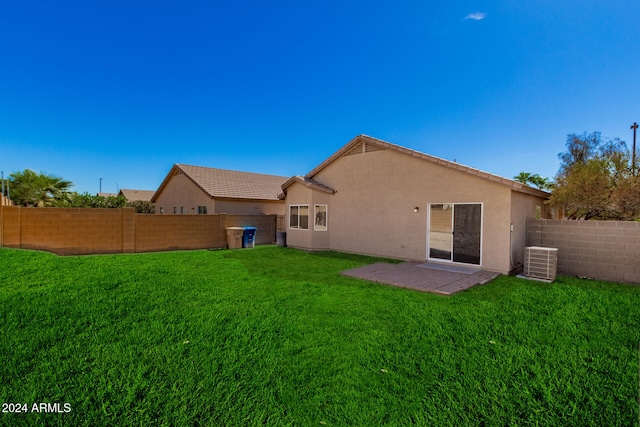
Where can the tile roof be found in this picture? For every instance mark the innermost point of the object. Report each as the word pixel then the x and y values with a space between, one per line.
pixel 223 183
pixel 144 195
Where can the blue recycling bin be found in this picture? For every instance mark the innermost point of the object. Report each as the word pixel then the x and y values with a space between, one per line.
pixel 249 238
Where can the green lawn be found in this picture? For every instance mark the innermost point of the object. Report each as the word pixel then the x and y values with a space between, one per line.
pixel 274 336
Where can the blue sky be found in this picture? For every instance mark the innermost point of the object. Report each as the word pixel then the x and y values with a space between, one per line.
pixel 122 90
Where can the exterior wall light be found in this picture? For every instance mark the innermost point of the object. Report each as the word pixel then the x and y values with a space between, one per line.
pixel 416 209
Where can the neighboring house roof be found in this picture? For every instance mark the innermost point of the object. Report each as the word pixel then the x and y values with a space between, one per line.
pixel 365 144
pixel 142 195
pixel 107 195
pixel 228 184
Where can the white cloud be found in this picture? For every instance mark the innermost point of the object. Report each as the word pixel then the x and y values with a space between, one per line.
pixel 478 16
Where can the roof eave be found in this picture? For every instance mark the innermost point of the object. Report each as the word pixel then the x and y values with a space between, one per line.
pixel 307 182
pixel 334 156
pixel 164 183
pixel 522 188
pixel 257 199
pixel 171 174
pixel 437 160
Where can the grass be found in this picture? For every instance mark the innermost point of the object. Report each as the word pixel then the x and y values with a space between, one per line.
pixel 274 336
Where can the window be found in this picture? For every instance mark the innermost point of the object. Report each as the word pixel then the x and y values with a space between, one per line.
pixel 299 217
pixel 161 209
pixel 175 209
pixel 320 218
pixel 202 210
pixel 183 210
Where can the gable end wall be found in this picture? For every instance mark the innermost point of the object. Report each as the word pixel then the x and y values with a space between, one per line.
pixel 181 191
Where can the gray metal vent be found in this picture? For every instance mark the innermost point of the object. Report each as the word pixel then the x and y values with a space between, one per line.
pixel 540 263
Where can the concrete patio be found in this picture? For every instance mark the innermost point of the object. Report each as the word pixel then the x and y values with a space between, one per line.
pixel 425 277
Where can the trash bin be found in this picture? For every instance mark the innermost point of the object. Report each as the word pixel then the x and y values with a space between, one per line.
pixel 249 239
pixel 234 237
pixel 281 239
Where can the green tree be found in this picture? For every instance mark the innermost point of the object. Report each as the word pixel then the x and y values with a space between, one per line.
pixel 86 200
pixel 29 188
pixel 595 180
pixel 580 149
pixel 142 206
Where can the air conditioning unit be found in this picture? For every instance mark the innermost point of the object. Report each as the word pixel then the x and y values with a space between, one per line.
pixel 540 263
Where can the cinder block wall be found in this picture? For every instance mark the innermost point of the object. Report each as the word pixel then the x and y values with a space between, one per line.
pixel 98 231
pixel 606 250
pixel 10 226
pixel 69 231
pixel 172 232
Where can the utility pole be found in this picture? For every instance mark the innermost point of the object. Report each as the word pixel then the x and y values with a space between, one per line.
pixel 100 185
pixel 633 155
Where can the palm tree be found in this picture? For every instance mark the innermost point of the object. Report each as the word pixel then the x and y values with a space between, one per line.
pixel 540 182
pixel 523 177
pixel 29 188
pixel 533 179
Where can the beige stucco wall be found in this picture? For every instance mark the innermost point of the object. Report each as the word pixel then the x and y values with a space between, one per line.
pixel 523 206
pixel 372 211
pixel 298 194
pixel 310 239
pixel 250 207
pixel 181 191
pixel 321 239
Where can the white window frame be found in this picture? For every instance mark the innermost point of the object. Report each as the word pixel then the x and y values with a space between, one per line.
pixel 297 227
pixel 202 210
pixel 317 227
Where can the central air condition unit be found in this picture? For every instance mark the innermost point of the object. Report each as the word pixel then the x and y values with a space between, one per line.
pixel 540 263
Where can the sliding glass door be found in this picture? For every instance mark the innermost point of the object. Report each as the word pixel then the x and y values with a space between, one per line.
pixel 455 232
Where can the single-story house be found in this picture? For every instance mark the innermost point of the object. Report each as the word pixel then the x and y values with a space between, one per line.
pixel 137 195
pixel 376 198
pixel 201 190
